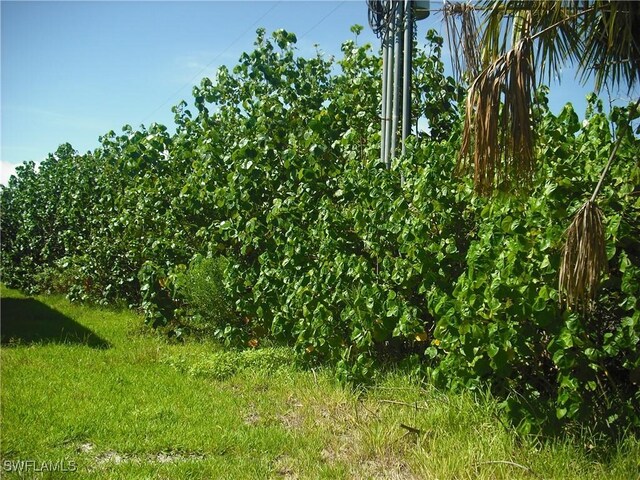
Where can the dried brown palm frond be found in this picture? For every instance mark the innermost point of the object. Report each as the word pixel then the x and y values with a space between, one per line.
pixel 584 258
pixel 498 131
pixel 462 39
pixel 498 135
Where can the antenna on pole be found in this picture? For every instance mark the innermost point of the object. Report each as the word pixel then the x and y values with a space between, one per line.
pixel 393 22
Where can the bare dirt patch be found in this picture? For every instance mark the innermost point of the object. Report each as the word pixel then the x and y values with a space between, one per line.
pixel 114 457
pixel 252 417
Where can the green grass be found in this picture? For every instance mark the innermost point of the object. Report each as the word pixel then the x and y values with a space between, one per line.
pixel 92 387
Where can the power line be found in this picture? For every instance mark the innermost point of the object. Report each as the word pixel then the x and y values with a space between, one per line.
pixel 322 20
pixel 190 82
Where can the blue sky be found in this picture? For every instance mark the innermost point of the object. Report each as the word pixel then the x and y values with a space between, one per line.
pixel 72 71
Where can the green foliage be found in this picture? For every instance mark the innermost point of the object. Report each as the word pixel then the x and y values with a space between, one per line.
pixel 157 303
pixel 272 192
pixel 503 325
pixel 202 288
pixel 62 277
pixel 43 215
pixel 221 365
pixel 202 301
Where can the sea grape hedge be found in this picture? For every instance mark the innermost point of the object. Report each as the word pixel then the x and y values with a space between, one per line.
pixel 275 179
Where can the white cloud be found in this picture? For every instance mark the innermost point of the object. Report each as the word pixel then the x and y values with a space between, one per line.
pixel 71 118
pixel 6 170
pixel 195 66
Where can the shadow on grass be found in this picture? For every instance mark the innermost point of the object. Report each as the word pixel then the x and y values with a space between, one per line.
pixel 26 321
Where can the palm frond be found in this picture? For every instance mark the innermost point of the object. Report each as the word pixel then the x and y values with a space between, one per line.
pixel 551 23
pixel 498 131
pixel 600 36
pixel 556 36
pixel 463 39
pixel 584 258
pixel 611 48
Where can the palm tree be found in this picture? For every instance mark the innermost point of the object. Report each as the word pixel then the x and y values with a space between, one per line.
pixel 503 48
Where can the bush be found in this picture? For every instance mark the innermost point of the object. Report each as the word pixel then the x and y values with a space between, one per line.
pixel 207 304
pixel 224 364
pixel 59 278
pixel 503 325
pixel 192 299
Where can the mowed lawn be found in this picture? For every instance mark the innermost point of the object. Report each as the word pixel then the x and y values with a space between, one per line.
pixel 90 390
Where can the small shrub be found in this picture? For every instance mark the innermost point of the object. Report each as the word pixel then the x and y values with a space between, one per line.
pixel 201 302
pixel 223 364
pixel 202 288
pixel 64 277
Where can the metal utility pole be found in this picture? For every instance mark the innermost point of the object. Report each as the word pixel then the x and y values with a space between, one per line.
pixel 406 87
pixel 383 117
pixel 393 22
pixel 397 75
